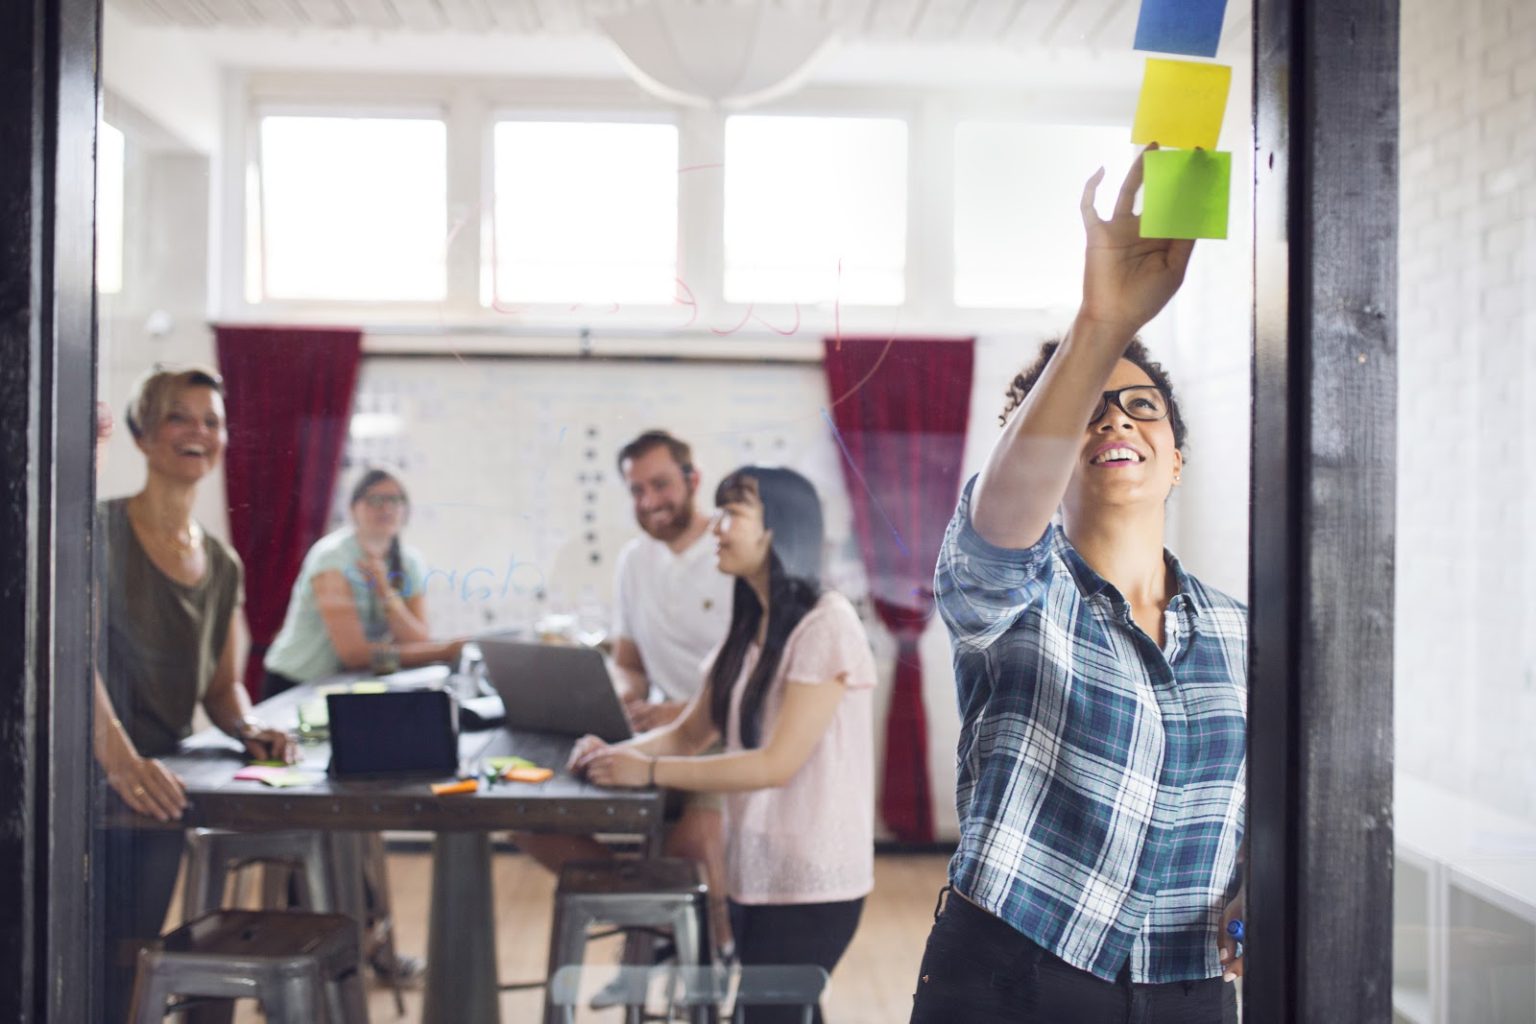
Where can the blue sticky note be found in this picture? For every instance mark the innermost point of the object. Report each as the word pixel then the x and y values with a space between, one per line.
pixel 1191 27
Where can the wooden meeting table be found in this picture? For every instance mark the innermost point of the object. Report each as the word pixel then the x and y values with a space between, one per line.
pixel 461 981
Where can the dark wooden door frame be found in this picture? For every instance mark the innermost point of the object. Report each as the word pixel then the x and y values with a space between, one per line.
pixel 1324 476
pixel 1320 769
pixel 48 100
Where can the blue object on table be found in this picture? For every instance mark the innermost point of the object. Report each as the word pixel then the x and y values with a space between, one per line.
pixel 1191 27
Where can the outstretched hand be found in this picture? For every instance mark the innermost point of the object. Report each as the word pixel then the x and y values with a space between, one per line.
pixel 1127 279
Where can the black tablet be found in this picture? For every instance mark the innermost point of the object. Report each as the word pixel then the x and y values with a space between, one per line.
pixel 399 732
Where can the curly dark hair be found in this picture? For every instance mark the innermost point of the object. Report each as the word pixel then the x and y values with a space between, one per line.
pixel 1136 352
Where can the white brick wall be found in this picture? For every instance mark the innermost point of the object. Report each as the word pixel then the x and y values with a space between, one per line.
pixel 1466 601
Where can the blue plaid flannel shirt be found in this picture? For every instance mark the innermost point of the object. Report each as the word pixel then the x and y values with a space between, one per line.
pixel 1102 781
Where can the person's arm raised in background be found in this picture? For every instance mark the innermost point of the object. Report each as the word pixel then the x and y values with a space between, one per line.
pixel 1127 280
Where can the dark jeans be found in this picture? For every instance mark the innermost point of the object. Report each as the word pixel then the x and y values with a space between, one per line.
pixel 978 969
pixel 792 933
pixel 137 885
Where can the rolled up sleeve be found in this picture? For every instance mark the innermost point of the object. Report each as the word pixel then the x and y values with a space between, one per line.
pixel 981 588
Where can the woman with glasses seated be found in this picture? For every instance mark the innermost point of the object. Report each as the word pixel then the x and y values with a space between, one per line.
pixel 359 605
pixel 359 602
pixel 171 595
pixel 789 692
pixel 1102 691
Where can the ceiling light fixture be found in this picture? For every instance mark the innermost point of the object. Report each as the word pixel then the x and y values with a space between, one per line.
pixel 729 55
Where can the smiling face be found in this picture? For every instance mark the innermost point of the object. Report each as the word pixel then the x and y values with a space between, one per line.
pixel 187 442
pixel 380 512
pixel 662 493
pixel 742 542
pixel 1124 461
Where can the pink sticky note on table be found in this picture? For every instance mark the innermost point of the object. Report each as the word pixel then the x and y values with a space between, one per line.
pixel 260 772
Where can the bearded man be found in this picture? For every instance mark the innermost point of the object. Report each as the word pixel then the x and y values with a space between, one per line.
pixel 672 605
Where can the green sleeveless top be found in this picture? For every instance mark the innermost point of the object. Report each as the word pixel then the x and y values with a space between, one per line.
pixel 160 641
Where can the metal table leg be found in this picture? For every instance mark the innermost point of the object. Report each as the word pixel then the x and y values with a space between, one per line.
pixel 461 940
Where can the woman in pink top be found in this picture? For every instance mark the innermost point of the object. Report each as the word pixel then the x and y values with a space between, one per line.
pixel 789 690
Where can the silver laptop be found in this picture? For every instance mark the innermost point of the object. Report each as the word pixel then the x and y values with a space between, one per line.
pixel 552 688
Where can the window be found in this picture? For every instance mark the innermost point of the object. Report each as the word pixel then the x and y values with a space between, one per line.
pixel 585 212
pixel 1018 234
pixel 353 208
pixel 109 209
pixel 815 210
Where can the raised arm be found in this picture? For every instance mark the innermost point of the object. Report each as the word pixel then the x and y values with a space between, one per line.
pixel 1127 280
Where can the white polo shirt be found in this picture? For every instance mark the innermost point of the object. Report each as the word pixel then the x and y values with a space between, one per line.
pixel 675 607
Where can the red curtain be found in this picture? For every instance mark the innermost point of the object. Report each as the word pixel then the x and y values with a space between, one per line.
pixel 288 391
pixel 900 408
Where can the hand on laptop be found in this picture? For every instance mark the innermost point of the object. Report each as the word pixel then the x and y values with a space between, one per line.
pixel 645 716
pixel 620 765
pixel 582 753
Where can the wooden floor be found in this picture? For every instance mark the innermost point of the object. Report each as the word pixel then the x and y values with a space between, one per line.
pixel 872 985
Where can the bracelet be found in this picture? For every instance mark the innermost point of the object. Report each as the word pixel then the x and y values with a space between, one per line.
pixel 249 727
pixel 651 778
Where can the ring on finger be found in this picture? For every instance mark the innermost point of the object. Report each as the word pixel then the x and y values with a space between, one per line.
pixel 138 790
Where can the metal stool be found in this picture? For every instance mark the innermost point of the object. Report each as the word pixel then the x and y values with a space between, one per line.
pixel 213 853
pixel 331 869
pixel 302 968
pixel 665 893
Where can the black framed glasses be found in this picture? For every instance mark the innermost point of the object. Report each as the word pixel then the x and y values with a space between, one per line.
pixel 1139 401
pixel 384 500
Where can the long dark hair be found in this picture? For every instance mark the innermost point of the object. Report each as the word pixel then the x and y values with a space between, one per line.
pixel 792 511
pixel 359 492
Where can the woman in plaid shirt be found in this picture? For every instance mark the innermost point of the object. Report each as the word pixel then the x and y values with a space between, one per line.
pixel 1102 689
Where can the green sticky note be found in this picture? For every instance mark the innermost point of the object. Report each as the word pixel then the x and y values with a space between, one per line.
pixel 1182 104
pixel 1185 193
pixel 501 764
pixel 370 686
pixel 289 779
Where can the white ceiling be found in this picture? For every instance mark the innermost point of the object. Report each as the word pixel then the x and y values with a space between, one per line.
pixel 1089 24
pixel 1047 47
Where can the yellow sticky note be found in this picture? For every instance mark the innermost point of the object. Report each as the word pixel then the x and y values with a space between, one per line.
pixel 1182 103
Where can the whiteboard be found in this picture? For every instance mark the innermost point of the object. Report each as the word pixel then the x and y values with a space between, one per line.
pixel 516 502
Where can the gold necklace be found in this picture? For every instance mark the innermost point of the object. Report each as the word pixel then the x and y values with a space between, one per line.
pixel 173 541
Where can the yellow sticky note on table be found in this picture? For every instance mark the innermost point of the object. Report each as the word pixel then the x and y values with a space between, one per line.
pixel 1182 103
pixel 1185 193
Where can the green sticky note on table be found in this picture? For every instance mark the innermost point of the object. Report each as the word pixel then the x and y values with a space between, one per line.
pixel 295 777
pixel 1185 193
pixel 1182 104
